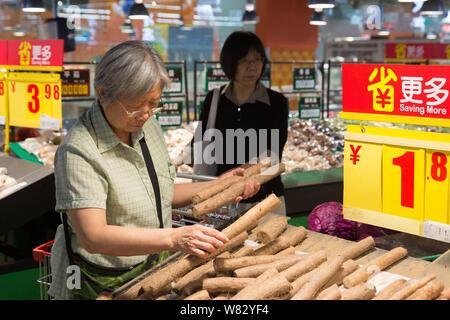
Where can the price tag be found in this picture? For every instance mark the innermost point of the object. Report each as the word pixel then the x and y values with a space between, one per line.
pixel 403 182
pixel 3 97
pixel 35 96
pixel 309 107
pixel 171 114
pixel 304 78
pixel 76 83
pixel 176 80
pixel 215 78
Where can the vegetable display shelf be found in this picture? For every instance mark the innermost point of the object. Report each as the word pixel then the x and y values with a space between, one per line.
pixel 31 197
pixel 304 190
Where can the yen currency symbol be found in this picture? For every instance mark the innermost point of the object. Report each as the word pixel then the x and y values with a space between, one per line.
pixel 354 156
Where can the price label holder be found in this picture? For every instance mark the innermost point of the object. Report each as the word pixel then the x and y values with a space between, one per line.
pixel 215 78
pixel 309 107
pixel 3 98
pixel 171 114
pixel 76 83
pixel 176 80
pixel 35 100
pixel 398 179
pixel 304 78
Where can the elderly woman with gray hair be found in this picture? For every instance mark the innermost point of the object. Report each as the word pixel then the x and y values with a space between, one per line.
pixel 114 183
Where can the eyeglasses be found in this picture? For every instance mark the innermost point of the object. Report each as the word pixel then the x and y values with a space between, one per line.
pixel 247 62
pixel 141 113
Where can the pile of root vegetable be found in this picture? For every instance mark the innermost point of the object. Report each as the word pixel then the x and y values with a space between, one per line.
pixel 274 269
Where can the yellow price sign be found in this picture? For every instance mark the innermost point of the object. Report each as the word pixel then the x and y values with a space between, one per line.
pixel 35 100
pixel 398 179
pixel 403 182
pixel 3 97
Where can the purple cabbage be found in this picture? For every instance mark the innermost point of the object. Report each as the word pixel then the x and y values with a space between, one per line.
pixel 328 218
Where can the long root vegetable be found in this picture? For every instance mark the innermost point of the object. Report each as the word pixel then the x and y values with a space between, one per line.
pixel 200 295
pixel 243 251
pixel 291 237
pixel 347 268
pixel 215 189
pixel 256 270
pixel 354 250
pixel 359 292
pixel 232 192
pixel 226 284
pixel 445 295
pixel 430 291
pixel 230 264
pixel 152 284
pixel 377 264
pixel 330 293
pixel 286 252
pixel 274 286
pixel 411 287
pixel 252 216
pixel 323 274
pixel 272 229
pixel 387 292
pixel 298 283
pixel 308 263
pixel 194 278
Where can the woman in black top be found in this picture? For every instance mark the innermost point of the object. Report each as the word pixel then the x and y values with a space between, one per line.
pixel 246 104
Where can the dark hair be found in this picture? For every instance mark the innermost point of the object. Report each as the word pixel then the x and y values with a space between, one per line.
pixel 236 47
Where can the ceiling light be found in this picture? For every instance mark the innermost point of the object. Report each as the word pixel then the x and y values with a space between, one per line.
pixel 411 0
pixel 321 4
pixel 317 18
pixel 138 11
pixel 250 17
pixel 432 7
pixel 33 6
pixel 127 27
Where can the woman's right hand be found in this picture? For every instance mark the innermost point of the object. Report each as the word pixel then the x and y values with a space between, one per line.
pixel 198 240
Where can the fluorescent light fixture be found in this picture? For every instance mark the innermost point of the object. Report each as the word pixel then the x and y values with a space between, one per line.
pixel 138 11
pixel 33 6
pixel 317 18
pixel 321 4
pixel 432 7
pixel 411 0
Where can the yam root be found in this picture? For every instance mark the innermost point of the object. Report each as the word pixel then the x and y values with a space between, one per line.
pixel 226 284
pixel 354 250
pixel 286 252
pixel 347 268
pixel 200 295
pixel 243 251
pixel 215 189
pixel 153 284
pixel 359 292
pixel 308 263
pixel 231 193
pixel 272 229
pixel 411 286
pixel 274 286
pixel 445 295
pixel 430 291
pixel 291 237
pixel 377 264
pixel 298 283
pixel 323 274
pixel 230 264
pixel 330 293
pixel 256 270
pixel 387 292
pixel 252 216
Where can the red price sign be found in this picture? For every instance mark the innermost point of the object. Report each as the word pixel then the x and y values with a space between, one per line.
pixel 3 52
pixel 35 53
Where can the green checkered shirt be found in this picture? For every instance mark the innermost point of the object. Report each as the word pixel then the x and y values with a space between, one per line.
pixel 94 169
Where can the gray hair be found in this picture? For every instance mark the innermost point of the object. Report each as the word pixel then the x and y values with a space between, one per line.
pixel 131 69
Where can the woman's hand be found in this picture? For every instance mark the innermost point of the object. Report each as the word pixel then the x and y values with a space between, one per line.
pixel 250 188
pixel 198 240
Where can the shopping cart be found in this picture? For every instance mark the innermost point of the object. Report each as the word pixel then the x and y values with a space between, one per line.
pixel 42 255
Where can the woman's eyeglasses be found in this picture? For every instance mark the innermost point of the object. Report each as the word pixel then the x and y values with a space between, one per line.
pixel 247 62
pixel 141 113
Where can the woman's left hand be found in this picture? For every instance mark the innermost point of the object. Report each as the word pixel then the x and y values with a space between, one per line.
pixel 250 188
